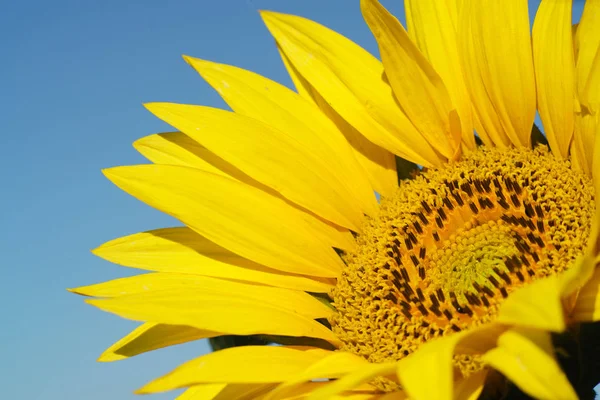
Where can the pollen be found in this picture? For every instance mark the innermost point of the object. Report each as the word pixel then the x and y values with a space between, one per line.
pixel 451 244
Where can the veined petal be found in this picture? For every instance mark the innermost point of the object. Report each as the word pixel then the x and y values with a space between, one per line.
pixel 417 86
pixel 432 25
pixel 537 305
pixel 271 157
pixel 176 148
pixel 247 364
pixel 301 302
pixel 525 356
pixel 379 164
pixel 332 366
pixel 152 336
pixel 351 81
pixel 503 93
pixel 555 72
pixel 228 313
pixel 181 250
pixel 587 40
pixel 352 380
pixel 253 219
pixel 257 97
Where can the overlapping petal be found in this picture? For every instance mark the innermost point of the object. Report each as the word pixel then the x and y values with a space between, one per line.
pixel 351 81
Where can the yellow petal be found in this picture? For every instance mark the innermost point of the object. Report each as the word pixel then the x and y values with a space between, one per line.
pixel 499 72
pixel 427 374
pixel 332 366
pixel 587 40
pixel 247 364
pixel 237 313
pixel 417 86
pixel 525 356
pixel 378 163
pixel 555 72
pixel 176 148
pixel 270 156
pixel 351 81
pixel 202 392
pixel 352 380
pixel 238 217
pixel 587 307
pixel 433 27
pixel 152 336
pixel 470 388
pixel 257 97
pixel 537 305
pixel 296 300
pixel 181 250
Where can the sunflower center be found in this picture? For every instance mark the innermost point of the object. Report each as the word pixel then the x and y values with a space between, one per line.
pixel 453 243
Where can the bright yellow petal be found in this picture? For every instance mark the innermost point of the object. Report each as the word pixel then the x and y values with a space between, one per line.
pixel 587 40
pixel 427 374
pixel 257 97
pixel 352 380
pixel 537 305
pixel 271 157
pixel 237 313
pixel 151 336
pixel 351 81
pixel 378 163
pixel 495 47
pixel 432 25
pixel 332 366
pixel 238 217
pixel 181 250
pixel 202 392
pixel 301 302
pixel 555 72
pixel 525 356
pixel 417 86
pixel 247 364
pixel 176 148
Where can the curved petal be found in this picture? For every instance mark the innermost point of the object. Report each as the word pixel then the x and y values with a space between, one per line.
pixel 555 72
pixel 503 93
pixel 270 156
pixel 352 380
pixel 537 305
pixel 379 164
pixel 417 86
pixel 587 306
pixel 225 312
pixel 152 336
pixel 351 81
pixel 470 388
pixel 432 25
pixel 257 97
pixel 181 250
pixel 332 366
pixel 525 356
pixel 253 219
pixel 247 364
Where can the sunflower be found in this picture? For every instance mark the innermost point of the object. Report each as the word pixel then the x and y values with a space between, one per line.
pixel 394 226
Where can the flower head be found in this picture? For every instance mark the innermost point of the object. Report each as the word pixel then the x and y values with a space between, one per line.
pixel 484 242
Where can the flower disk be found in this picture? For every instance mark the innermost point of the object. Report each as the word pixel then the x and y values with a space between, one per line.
pixel 453 243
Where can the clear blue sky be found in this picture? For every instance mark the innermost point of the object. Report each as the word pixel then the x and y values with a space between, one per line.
pixel 73 76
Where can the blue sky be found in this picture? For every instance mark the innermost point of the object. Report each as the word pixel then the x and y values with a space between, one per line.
pixel 73 76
